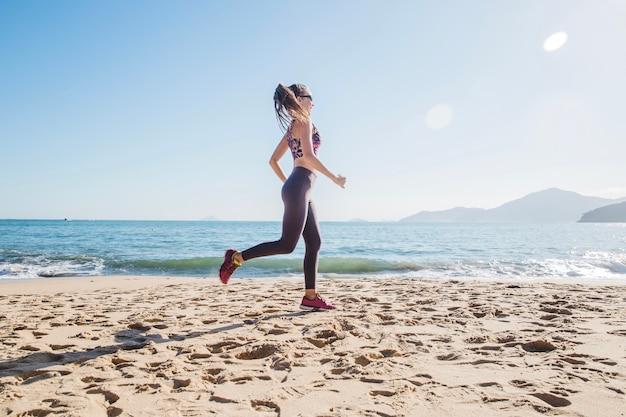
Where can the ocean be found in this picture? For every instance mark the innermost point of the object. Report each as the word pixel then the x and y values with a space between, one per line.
pixel 43 249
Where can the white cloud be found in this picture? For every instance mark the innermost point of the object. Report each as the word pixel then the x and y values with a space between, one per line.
pixel 613 192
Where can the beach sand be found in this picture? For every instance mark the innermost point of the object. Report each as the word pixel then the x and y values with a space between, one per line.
pixel 156 346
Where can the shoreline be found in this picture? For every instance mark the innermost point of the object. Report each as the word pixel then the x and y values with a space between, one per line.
pixel 20 285
pixel 176 346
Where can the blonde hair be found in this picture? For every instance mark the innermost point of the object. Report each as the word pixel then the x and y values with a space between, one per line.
pixel 287 106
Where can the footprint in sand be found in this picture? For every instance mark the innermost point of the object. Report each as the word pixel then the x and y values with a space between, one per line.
pixel 276 330
pixel 139 326
pixel 37 357
pixel 553 400
pixel 30 348
pixel 109 396
pixel 121 363
pixel 39 375
pixel 195 356
pixel 114 411
pixel 573 359
pixel 425 379
pixel 387 319
pixel 92 381
pixel 36 412
pixel 181 383
pixel 325 337
pixel 61 347
pixel 520 383
pixel 213 375
pixel 266 406
pixel 538 346
pixel 222 400
pixel 258 352
pixel 55 403
pixel 366 359
pixel 383 393
pixel 448 357
pixel 477 339
pixel 224 346
pixel 489 384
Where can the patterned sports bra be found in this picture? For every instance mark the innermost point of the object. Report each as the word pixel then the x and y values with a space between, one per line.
pixel 295 144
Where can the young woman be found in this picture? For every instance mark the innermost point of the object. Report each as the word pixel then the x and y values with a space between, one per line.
pixel 293 106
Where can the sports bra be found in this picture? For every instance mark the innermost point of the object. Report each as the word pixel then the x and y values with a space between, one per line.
pixel 295 144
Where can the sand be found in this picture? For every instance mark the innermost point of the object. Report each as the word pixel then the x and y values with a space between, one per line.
pixel 146 346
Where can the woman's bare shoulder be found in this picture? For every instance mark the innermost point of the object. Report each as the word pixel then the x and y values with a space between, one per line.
pixel 301 127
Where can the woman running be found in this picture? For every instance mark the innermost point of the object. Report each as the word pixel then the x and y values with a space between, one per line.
pixel 293 106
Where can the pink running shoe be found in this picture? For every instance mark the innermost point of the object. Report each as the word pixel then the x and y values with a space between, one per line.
pixel 316 305
pixel 229 266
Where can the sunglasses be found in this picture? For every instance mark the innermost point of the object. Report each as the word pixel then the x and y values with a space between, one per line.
pixel 309 97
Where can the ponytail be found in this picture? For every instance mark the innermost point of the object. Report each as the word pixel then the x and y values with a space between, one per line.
pixel 286 105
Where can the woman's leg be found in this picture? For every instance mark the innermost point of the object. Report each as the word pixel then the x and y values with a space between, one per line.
pixel 313 242
pixel 295 194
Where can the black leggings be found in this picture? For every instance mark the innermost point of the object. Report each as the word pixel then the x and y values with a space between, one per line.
pixel 299 218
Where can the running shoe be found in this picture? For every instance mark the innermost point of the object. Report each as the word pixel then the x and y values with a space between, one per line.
pixel 318 304
pixel 229 266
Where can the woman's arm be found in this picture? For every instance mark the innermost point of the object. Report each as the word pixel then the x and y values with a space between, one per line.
pixel 280 150
pixel 308 158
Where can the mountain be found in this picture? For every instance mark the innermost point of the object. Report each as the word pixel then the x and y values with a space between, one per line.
pixel 614 213
pixel 551 205
pixel 210 218
pixel 457 214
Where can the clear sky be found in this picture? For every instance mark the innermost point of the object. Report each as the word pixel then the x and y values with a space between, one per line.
pixel 150 109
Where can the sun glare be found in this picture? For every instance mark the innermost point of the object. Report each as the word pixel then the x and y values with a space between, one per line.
pixel 439 116
pixel 554 41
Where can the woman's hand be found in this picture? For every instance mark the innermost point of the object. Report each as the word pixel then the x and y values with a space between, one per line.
pixel 340 180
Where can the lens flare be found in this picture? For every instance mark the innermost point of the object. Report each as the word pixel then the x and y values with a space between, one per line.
pixel 439 116
pixel 554 41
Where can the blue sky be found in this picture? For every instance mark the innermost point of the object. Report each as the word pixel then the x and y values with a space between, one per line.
pixel 163 109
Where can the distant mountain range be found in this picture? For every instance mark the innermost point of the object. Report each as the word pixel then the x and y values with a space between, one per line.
pixel 615 213
pixel 551 205
pixel 210 218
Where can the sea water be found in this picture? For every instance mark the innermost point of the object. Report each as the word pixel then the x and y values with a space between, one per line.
pixel 36 249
